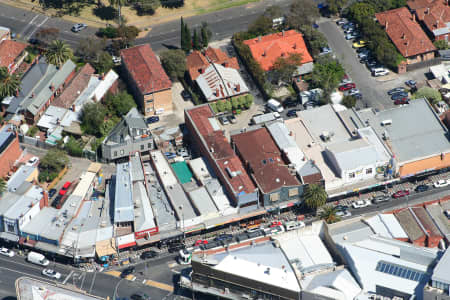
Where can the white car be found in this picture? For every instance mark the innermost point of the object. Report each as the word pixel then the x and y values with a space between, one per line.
pixel 32 161
pixel 441 183
pixel 6 252
pixel 51 273
pixel 353 92
pixel 343 213
pixel 116 59
pixel 361 203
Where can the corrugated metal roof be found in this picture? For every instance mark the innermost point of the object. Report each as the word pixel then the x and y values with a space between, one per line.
pixel 85 183
pixel 442 268
pixel 123 200
pixel 202 201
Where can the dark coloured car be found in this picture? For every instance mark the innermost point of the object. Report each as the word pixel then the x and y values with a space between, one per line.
pixel 51 193
pixel 396 90
pixel 149 254
pixel 186 95
pixel 358 96
pixel 422 188
pixel 380 199
pixel 399 96
pixel 401 101
pixel 174 247
pixel 127 271
pixel 347 86
pixel 224 237
pixel 411 83
pixel 152 119
pixel 292 113
pixel 400 194
pixel 290 103
pixel 140 296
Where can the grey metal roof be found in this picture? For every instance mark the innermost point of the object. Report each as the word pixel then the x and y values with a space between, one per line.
pixel 309 168
pixel 48 224
pixel 7 200
pixel 132 125
pixel 19 177
pixel 24 203
pixel 5 136
pixel 143 215
pixel 137 174
pixel 441 271
pixel 179 199
pixel 280 134
pixel 123 198
pixel 410 139
pixel 409 224
pixel 202 201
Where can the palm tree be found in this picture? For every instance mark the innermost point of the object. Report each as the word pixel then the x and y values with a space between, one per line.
pixel 58 53
pixel 329 214
pixel 9 83
pixel 2 185
pixel 315 196
pixel 119 4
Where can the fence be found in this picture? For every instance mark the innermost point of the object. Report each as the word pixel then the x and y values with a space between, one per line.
pixel 424 64
pixel 34 142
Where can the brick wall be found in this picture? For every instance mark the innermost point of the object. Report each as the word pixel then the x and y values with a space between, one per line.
pixel 161 100
pixel 9 156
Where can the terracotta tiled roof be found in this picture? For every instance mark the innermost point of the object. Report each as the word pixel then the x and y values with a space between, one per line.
pixel 267 49
pixel 436 15
pixel 145 69
pixel 406 34
pixel 197 62
pixel 76 86
pixel 417 4
pixel 9 51
pixel 259 151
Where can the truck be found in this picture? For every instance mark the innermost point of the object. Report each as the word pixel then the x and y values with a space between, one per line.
pixel 37 258
pixel 275 106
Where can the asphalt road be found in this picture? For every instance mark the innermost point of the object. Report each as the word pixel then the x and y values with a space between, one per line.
pixel 373 95
pixel 222 23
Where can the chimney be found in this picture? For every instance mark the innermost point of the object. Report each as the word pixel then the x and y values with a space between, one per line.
pixel 427 11
pixel 32 95
pixel 437 23
pixel 217 92
pixel 238 87
pixel 403 36
pixel 73 107
pixel 386 25
pixel 225 64
pixel 17 93
pixel 264 53
pixel 259 38
pixel 200 71
pixel 414 17
pixel 102 76
pixel 52 87
pixel 282 32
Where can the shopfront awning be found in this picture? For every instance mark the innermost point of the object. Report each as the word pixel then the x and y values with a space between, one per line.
pixel 126 241
pixel 9 236
pixel 105 247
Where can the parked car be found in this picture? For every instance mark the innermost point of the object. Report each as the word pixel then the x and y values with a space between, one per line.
pixel 276 223
pixel 65 187
pixel 232 119
pixel 116 59
pixel 347 86
pixel 441 183
pixel 353 92
pixel 149 254
pixel 361 203
pixel 371 63
pixel 51 273
pixel 343 213
pixel 325 50
pixel 292 112
pixel 127 271
pixel 224 120
pixel 350 36
pixel 400 194
pixel 140 296
pixel 359 44
pixel 380 72
pixel 380 199
pixel 411 83
pixel 224 237
pixel 399 96
pixel 6 252
pixel 402 101
pixel 170 155
pixel 174 247
pixel 78 27
pixel 186 95
pixel 253 229
pixel 152 119
pixel 51 193
pixel 182 152
pixel 396 90
pixel 32 161
pixel 447 213
pixel 422 188
pixel 341 22
pixel 290 103
pixel 358 96
pixel 200 242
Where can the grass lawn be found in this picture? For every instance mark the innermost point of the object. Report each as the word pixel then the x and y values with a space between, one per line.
pixel 190 8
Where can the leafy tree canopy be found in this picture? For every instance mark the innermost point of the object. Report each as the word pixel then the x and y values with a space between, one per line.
pixel 92 117
pixel 432 95
pixel 119 104
pixel 174 62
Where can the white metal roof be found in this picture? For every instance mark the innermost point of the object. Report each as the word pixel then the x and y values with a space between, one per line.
pixel 386 225
pixel 200 170
pixel 123 199
pixel 203 202
pixel 83 186
pixel 441 271
pixel 217 193
pixel 143 213
pixel 163 168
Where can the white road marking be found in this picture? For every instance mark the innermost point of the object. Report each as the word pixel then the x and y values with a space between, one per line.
pixel 68 276
pixel 37 27
pixel 92 283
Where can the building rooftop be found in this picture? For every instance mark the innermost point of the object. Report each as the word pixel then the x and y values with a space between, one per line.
pixel 9 52
pixel 259 151
pixel 123 199
pixel 163 169
pixel 406 34
pixel 217 193
pixel 52 117
pixel 49 224
pixel 436 211
pixel 19 177
pixel 409 225
pixel 180 203
pixel 145 69
pixel 24 203
pixel 435 15
pixel 197 62
pixel 143 212
pixel 426 221
pixel 440 272
pixel 266 49
pixel 386 225
pixel 200 169
pixel 131 127
pixel 203 202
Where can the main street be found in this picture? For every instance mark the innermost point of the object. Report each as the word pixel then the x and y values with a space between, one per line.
pixel 162 36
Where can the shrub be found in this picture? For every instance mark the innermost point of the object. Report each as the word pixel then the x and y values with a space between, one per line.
pixel 108 32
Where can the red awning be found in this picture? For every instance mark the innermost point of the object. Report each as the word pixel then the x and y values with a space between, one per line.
pixel 127 245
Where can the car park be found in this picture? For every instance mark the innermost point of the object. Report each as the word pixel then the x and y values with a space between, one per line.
pixel 51 273
pixel 224 120
pixel 396 90
pixel 6 252
pixel 149 254
pixel 380 199
pixel 347 86
pixel 402 101
pixel 78 27
pixel 441 183
pixel 361 203
pixel 422 188
pixel 400 194
pixel 152 119
pixel 127 271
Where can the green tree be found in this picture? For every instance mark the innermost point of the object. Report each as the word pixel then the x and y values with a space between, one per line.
pixel 284 68
pixel 174 62
pixel 9 83
pixel 314 39
pixel 3 186
pixel 188 38
pixel 315 196
pixel 329 215
pixel 196 41
pixel 214 107
pixel 335 6
pixel 326 74
pixel 104 63
pixel 147 7
pixel 54 161
pixel 127 35
pixel 73 147
pixel 430 94
pixel 349 101
pixel 227 105
pixel 235 102
pixel 302 12
pixel 92 117
pixel 182 35
pixel 90 49
pixel 261 26
pixel 248 101
pixel 360 11
pixel 108 125
pixel 273 11
pixel 119 104
pixel 206 34
pixel 58 53
pixel 441 44
pixel 220 105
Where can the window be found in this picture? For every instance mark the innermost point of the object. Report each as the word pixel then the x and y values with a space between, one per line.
pixel 121 152
pixel 11 228
pixel 399 271
pixel 369 171
pixel 149 145
pixel 142 147
pixel 351 175
pixel 293 192
pixel 115 153
pixel 274 197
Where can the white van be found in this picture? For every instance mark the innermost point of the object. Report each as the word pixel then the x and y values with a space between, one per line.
pixel 379 72
pixel 37 258
pixel 292 225
pixel 275 105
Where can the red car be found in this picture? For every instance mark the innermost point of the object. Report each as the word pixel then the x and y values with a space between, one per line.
pixel 401 101
pixel 400 194
pixel 200 242
pixel 276 223
pixel 347 86
pixel 63 190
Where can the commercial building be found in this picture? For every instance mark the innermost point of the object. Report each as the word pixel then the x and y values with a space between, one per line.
pixel 200 170
pixel 440 280
pixel 214 147
pixel 387 225
pixel 25 174
pixel 123 197
pixel 128 136
pixel 10 150
pixel 419 147
pixel 148 80
pixel 262 159
pixel 434 17
pixel 406 34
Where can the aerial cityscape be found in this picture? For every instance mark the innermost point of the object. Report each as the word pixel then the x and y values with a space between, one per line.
pixel 224 149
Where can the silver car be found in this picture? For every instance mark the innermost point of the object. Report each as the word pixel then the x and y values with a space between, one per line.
pixel 78 27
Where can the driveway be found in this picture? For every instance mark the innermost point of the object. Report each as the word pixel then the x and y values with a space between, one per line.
pixel 374 92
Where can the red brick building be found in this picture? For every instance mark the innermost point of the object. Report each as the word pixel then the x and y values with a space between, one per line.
pixel 10 151
pixel 434 15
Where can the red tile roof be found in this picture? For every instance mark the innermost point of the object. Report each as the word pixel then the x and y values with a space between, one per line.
pixel 76 86
pixel 9 51
pixel 197 61
pixel 267 49
pixel 145 69
pixel 258 149
pixel 436 15
pixel 220 149
pixel 417 4
pixel 426 221
pixel 406 34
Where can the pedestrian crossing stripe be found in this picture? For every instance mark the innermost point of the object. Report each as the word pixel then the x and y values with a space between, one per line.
pixel 113 273
pixel 159 285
